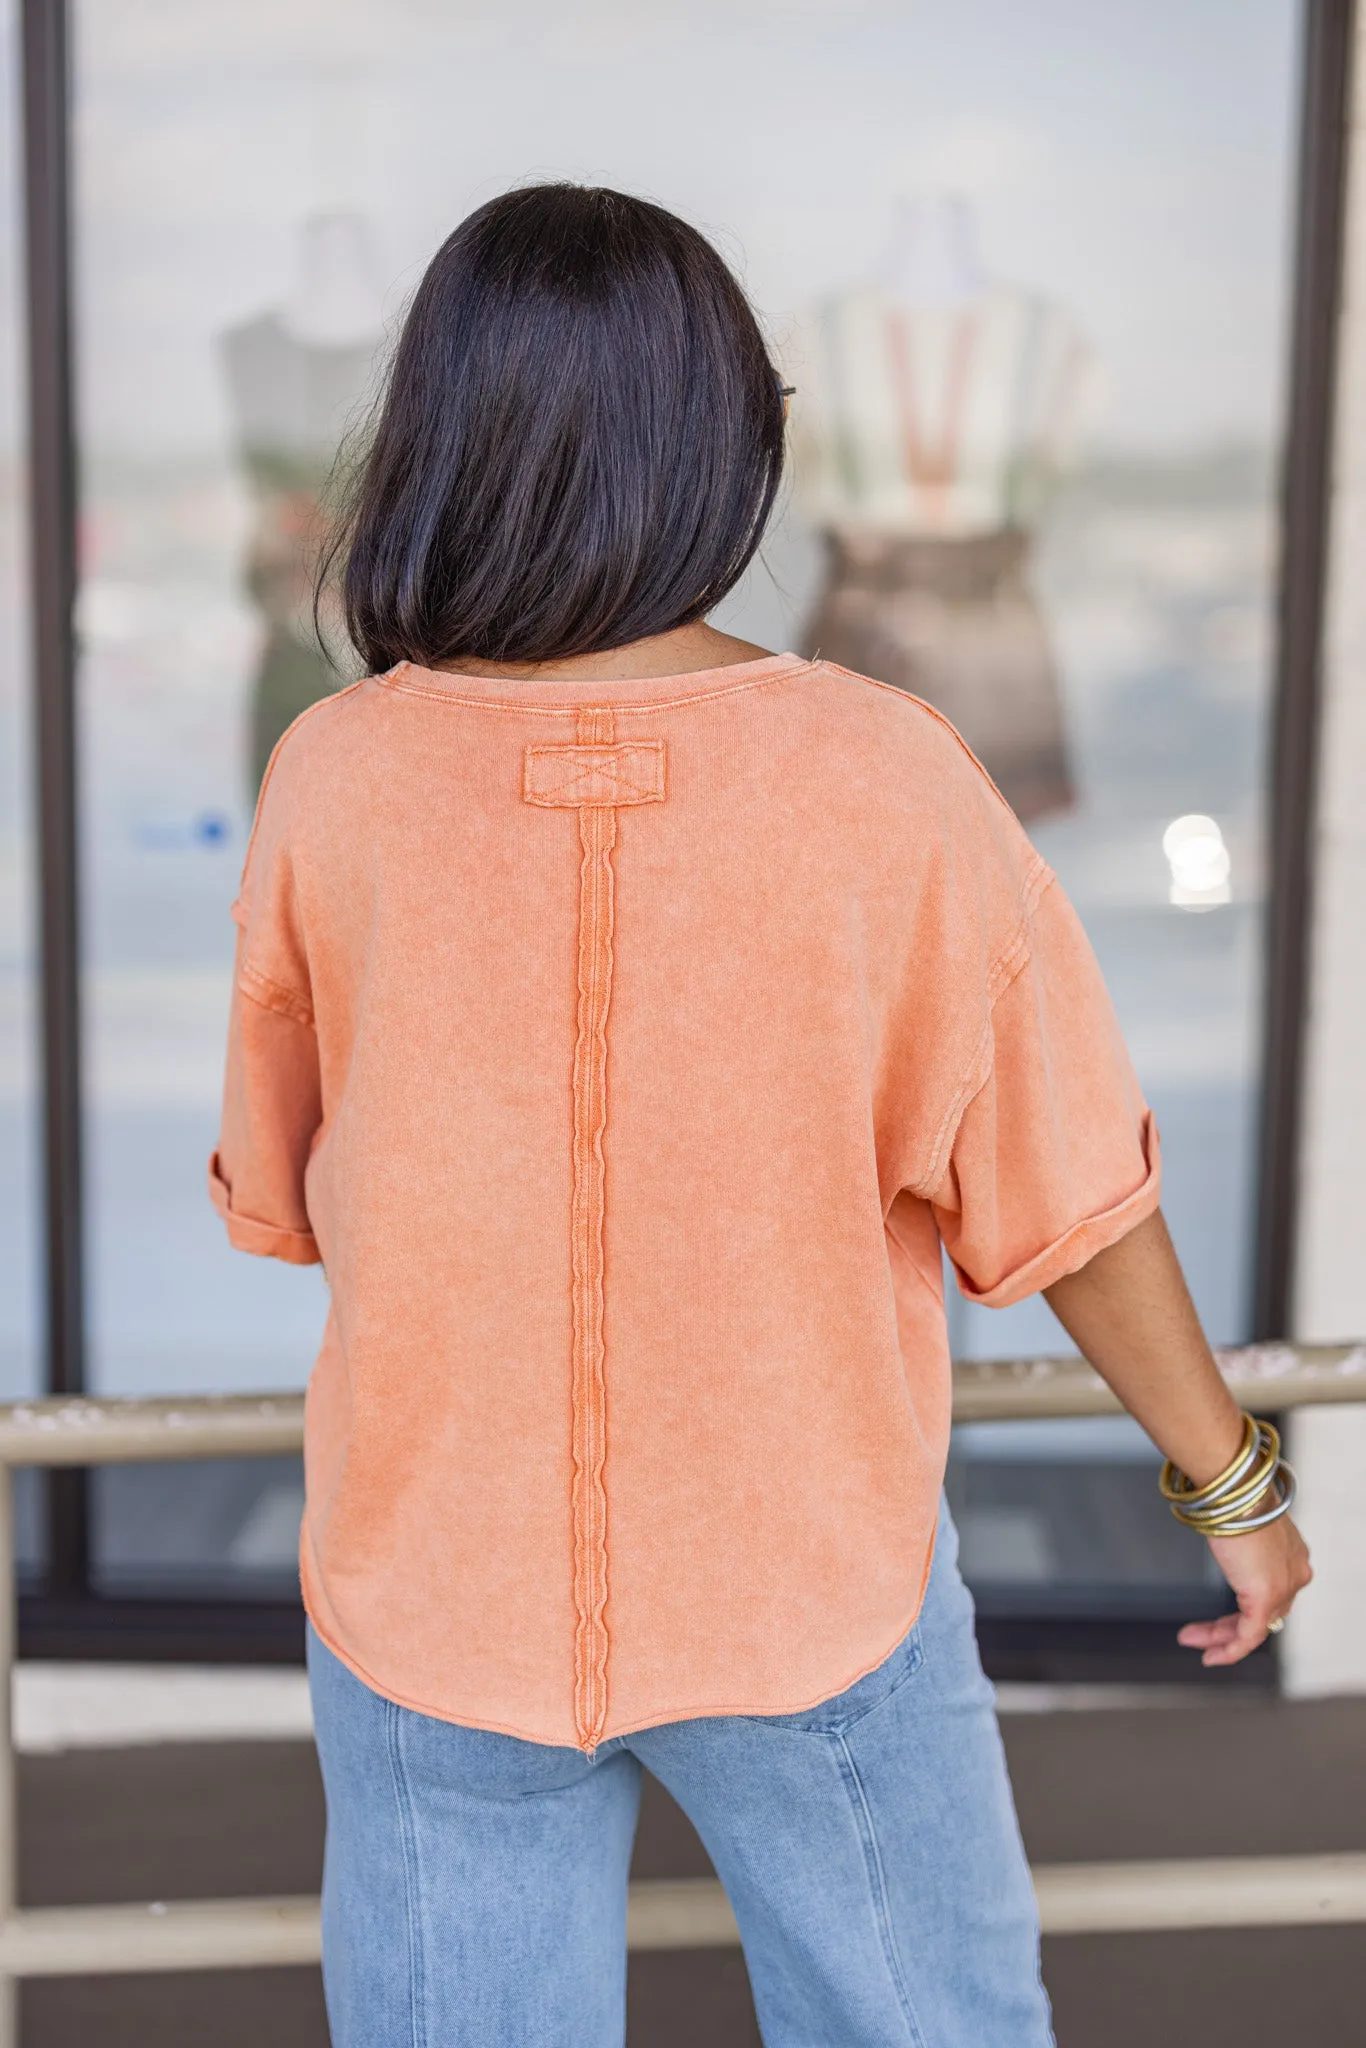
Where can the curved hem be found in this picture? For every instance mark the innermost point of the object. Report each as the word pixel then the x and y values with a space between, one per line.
pixel 609 1733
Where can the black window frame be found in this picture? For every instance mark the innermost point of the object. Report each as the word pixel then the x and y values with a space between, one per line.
pixel 68 1616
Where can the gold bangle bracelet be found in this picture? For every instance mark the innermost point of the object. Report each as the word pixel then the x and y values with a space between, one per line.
pixel 1232 1503
pixel 1174 1485
pixel 1250 1491
pixel 1201 1514
pixel 1250 1488
pixel 1215 1518
pixel 1282 1484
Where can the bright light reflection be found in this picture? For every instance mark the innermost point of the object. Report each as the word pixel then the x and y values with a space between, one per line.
pixel 1199 862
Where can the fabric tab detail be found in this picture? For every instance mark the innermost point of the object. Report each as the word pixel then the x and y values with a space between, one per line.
pixel 581 777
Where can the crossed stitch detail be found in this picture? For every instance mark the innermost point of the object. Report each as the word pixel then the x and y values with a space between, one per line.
pixel 583 774
pixel 606 771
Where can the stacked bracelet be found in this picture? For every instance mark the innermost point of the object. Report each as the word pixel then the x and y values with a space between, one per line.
pixel 1258 1487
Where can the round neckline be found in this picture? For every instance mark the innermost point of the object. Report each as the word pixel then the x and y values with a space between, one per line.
pixel 569 693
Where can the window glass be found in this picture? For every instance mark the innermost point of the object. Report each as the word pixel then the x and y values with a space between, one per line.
pixel 1026 268
pixel 20 1252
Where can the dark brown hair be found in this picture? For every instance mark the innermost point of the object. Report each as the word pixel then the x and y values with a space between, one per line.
pixel 580 443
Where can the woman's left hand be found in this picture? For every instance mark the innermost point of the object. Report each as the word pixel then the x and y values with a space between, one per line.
pixel 1266 1569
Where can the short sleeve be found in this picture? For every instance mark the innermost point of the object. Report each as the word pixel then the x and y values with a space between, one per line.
pixel 1055 1154
pixel 272 1095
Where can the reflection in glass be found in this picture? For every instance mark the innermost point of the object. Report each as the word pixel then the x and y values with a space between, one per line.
pixel 1199 862
pixel 943 407
pixel 210 1528
pixel 297 375
pixel 1034 436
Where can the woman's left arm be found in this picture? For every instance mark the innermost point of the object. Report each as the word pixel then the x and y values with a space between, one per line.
pixel 1130 1313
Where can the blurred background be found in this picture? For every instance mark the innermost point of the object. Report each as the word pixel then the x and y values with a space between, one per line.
pixel 1028 269
pixel 1036 274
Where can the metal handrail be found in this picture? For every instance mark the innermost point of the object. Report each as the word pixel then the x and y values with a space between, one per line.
pixel 664 1913
pixel 84 1430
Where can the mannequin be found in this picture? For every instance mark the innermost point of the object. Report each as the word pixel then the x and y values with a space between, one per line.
pixel 934 259
pixel 296 375
pixel 942 405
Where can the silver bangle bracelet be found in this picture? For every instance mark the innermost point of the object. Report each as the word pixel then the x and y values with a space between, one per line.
pixel 1261 1440
pixel 1283 1478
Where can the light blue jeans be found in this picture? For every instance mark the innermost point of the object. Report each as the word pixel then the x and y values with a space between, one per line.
pixel 475 1886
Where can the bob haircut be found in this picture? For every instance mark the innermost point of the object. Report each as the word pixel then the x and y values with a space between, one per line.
pixel 579 446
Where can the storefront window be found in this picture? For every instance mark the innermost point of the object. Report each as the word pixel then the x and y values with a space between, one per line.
pixel 1026 268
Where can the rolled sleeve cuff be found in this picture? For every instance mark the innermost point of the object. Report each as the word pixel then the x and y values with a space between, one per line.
pixel 1078 1245
pixel 249 1234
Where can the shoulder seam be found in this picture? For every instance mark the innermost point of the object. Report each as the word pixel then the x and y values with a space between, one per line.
pixel 909 697
pixel 332 697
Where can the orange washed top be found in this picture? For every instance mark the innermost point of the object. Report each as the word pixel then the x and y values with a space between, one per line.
pixel 625 1050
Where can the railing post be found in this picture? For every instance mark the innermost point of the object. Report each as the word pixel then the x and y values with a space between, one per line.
pixel 9 1804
